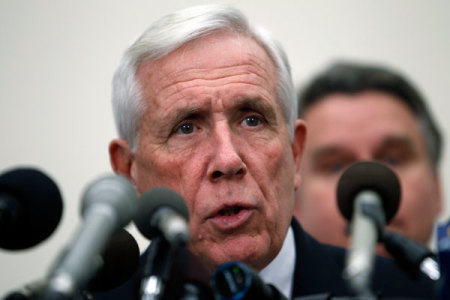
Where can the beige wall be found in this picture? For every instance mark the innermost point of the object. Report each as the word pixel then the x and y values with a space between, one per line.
pixel 57 58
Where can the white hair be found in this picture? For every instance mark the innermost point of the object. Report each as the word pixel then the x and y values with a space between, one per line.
pixel 171 32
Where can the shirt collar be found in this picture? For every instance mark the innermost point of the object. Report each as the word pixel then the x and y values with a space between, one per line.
pixel 280 271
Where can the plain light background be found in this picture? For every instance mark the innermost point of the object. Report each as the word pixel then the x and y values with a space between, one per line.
pixel 57 58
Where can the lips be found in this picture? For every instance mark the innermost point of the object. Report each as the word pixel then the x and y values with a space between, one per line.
pixel 230 217
pixel 230 211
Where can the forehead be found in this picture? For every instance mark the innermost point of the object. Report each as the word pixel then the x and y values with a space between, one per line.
pixel 373 113
pixel 213 61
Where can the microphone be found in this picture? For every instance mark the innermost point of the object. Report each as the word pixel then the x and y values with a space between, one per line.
pixel 163 212
pixel 30 208
pixel 162 218
pixel 234 280
pixel 120 261
pixel 108 204
pixel 412 256
pixel 196 284
pixel 368 195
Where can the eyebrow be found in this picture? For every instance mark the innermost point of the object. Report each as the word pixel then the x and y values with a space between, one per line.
pixel 386 142
pixel 326 151
pixel 403 141
pixel 258 105
pixel 397 140
pixel 184 112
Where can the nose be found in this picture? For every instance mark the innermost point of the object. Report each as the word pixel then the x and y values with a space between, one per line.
pixel 226 161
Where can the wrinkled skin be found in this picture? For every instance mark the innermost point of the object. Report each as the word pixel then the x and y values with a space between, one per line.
pixel 214 132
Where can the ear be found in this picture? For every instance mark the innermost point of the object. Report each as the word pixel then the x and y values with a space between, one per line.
pixel 297 148
pixel 121 157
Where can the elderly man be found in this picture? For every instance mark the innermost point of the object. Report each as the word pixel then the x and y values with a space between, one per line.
pixel 366 112
pixel 205 105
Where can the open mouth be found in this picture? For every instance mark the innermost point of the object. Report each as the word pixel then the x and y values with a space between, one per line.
pixel 231 217
pixel 230 211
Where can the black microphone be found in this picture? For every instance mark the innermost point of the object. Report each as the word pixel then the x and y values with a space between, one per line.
pixel 163 212
pixel 163 218
pixel 120 260
pixel 368 195
pixel 412 256
pixel 196 284
pixel 30 208
pixel 108 204
pixel 234 280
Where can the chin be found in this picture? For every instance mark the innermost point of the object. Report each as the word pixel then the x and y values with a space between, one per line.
pixel 252 253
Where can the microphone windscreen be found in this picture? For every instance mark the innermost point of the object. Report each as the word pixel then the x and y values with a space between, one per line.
pixel 120 261
pixel 39 208
pixel 368 175
pixel 114 191
pixel 152 200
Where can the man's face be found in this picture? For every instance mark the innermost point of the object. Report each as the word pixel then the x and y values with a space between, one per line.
pixel 215 133
pixel 345 128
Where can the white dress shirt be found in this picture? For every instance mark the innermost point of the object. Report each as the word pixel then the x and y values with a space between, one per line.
pixel 280 271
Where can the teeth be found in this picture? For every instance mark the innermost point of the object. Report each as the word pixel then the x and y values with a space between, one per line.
pixel 230 211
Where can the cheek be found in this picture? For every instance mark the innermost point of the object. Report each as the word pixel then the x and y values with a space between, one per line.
pixel 271 173
pixel 418 198
pixel 158 168
pixel 318 200
pixel 319 190
pixel 279 166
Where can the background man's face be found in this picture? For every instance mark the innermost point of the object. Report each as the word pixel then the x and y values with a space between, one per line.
pixel 215 133
pixel 345 128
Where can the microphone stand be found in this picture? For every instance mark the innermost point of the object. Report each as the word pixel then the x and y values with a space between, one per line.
pixel 165 274
pixel 157 271
pixel 367 221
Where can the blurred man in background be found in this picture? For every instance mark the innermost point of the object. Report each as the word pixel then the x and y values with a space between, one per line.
pixel 362 112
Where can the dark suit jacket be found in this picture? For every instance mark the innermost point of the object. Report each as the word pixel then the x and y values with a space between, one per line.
pixel 318 270
pixel 319 267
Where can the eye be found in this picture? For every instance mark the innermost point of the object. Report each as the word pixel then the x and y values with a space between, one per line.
pixel 333 165
pixel 252 121
pixel 336 167
pixel 392 161
pixel 186 128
